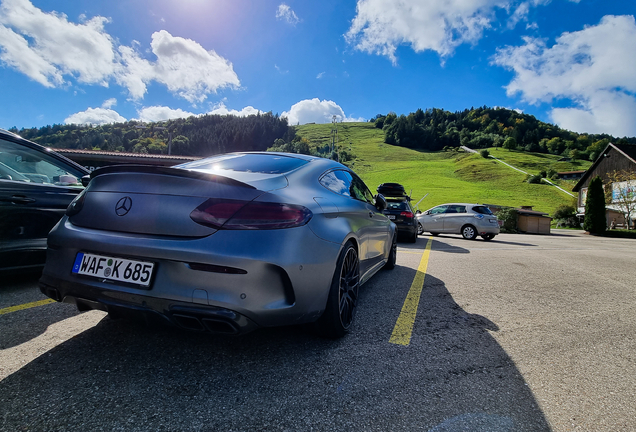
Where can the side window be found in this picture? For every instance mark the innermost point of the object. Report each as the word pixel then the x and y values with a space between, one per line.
pixel 456 209
pixel 438 210
pixel 338 181
pixel 361 191
pixel 482 209
pixel 23 164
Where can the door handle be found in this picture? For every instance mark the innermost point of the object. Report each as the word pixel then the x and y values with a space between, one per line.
pixel 20 199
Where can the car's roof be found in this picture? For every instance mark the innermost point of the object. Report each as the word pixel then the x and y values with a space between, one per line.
pixel 6 132
pixel 462 204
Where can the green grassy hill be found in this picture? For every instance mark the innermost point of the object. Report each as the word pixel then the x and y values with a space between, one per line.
pixel 448 176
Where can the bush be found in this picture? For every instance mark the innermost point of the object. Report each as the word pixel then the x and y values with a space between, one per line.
pixel 484 153
pixel 594 222
pixel 509 218
pixel 535 179
pixel 565 215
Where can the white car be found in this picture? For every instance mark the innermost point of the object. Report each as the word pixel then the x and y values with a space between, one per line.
pixel 469 220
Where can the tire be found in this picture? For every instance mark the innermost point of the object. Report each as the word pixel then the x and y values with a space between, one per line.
pixel 434 234
pixel 488 237
pixel 337 319
pixel 390 264
pixel 413 238
pixel 469 232
pixel 420 229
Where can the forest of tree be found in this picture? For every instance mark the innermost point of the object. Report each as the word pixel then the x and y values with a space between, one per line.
pixel 477 128
pixel 194 136
pixel 433 130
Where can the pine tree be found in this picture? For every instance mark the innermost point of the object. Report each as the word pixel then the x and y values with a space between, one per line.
pixel 594 221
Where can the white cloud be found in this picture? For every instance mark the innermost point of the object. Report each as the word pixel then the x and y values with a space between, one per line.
pixel 316 111
pixel 161 113
pixel 281 71
pixel 109 103
pixel 183 65
pixel 285 13
pixel 380 26
pixel 53 52
pixel 46 46
pixel 593 68
pixel 95 116
pixel 320 75
pixel 221 109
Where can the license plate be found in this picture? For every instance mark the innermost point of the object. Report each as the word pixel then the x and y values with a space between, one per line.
pixel 111 268
pixel 392 217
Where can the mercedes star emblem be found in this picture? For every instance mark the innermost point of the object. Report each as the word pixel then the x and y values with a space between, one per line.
pixel 123 206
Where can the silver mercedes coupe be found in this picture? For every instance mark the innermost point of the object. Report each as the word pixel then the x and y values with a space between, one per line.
pixel 225 244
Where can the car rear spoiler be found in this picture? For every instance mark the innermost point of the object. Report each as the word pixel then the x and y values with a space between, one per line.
pixel 176 172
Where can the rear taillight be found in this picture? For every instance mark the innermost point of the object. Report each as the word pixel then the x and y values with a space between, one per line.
pixel 238 215
pixel 407 214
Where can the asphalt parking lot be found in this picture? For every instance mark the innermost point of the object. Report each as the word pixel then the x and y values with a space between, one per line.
pixel 523 333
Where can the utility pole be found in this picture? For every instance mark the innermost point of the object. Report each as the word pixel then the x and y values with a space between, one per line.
pixel 334 133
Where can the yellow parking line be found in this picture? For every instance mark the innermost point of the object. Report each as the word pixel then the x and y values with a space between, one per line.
pixel 26 306
pixel 404 326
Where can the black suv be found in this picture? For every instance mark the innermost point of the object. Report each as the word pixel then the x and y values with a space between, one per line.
pixel 399 210
pixel 36 187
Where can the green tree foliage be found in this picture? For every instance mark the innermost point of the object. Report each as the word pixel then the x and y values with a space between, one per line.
pixel 434 129
pixel 298 145
pixel 195 136
pixel 565 215
pixel 510 143
pixel 484 153
pixel 509 217
pixel 594 221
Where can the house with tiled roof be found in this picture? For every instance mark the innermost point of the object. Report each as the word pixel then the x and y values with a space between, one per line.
pixel 615 157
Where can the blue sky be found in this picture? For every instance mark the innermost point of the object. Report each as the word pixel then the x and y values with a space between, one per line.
pixel 567 62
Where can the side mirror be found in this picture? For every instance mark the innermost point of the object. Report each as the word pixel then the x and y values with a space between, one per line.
pixel 380 202
pixel 418 212
pixel 86 180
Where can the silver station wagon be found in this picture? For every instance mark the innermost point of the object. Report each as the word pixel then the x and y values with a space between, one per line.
pixel 469 220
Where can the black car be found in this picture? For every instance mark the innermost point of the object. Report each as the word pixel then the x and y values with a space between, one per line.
pixel 36 187
pixel 399 210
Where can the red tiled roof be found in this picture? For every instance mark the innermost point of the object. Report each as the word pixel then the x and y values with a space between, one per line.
pixel 571 172
pixel 123 154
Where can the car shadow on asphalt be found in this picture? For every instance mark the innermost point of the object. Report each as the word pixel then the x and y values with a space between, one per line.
pixel 118 375
pixel 437 245
pixel 20 326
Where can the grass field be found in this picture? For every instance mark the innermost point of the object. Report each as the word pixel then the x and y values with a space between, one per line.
pixel 448 176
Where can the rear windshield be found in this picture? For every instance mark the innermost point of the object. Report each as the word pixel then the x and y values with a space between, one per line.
pixel 482 210
pixel 393 205
pixel 255 163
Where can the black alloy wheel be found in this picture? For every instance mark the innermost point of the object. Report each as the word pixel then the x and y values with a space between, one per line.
pixel 348 287
pixel 337 319
pixel 390 264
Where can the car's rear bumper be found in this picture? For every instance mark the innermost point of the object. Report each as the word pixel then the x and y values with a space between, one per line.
pixel 149 309
pixel 269 278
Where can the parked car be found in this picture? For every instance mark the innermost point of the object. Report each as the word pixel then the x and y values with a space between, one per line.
pixel 399 209
pixel 36 187
pixel 469 220
pixel 225 244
